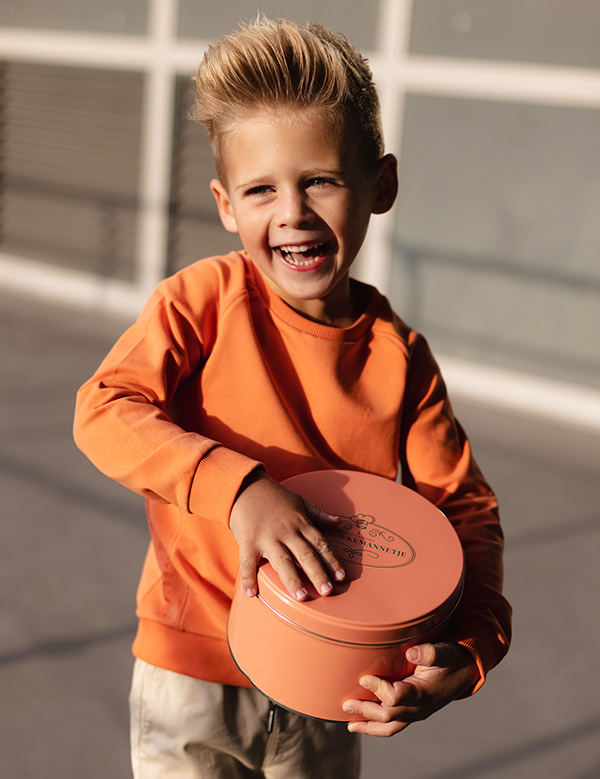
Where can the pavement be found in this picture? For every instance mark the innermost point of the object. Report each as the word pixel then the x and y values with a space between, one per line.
pixel 72 545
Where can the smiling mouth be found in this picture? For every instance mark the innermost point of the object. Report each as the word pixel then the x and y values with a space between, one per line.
pixel 303 255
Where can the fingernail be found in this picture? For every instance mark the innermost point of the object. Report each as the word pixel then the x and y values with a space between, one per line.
pixel 250 592
pixel 365 683
pixel 340 576
pixel 300 594
pixel 325 588
pixel 348 708
pixel 412 654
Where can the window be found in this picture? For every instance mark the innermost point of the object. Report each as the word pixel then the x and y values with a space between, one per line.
pixel 69 160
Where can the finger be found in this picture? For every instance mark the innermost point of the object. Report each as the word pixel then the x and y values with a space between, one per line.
pixel 424 654
pixel 317 560
pixel 369 710
pixel 320 544
pixel 283 562
pixel 390 694
pixel 378 729
pixel 443 654
pixel 248 568
pixel 321 518
pixel 299 554
pixel 374 719
pixel 308 560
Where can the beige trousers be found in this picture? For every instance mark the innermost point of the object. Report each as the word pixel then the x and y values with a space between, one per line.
pixel 187 728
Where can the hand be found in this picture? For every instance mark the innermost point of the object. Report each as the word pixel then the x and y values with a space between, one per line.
pixel 271 522
pixel 444 671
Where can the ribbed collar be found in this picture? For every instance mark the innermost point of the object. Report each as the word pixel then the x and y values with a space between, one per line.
pixel 282 311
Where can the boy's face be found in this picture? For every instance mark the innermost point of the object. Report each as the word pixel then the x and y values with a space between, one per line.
pixel 301 205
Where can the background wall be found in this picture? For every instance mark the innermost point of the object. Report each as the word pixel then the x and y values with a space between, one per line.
pixel 492 109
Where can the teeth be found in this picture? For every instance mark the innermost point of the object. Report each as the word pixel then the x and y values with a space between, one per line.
pixel 299 249
pixel 293 261
pixel 291 253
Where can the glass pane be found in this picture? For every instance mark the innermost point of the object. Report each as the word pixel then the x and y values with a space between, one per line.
pixel 497 236
pixel 71 140
pixel 209 21
pixel 128 17
pixel 557 32
pixel 195 228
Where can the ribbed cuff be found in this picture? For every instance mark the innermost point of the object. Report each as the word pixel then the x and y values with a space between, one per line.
pixel 217 482
pixel 481 641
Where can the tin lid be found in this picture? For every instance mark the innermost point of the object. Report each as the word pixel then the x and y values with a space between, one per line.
pixel 402 557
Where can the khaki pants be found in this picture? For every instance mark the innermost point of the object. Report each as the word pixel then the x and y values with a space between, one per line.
pixel 186 728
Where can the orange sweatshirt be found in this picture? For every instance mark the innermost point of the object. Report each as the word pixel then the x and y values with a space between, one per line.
pixel 218 377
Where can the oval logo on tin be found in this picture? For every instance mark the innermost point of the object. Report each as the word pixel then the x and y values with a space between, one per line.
pixel 359 539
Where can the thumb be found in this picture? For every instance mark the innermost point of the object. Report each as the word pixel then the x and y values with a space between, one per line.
pixel 422 654
pixel 443 654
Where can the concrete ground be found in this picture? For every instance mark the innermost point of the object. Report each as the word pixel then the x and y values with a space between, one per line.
pixel 72 543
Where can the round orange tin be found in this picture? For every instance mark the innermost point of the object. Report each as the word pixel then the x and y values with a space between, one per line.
pixel 404 577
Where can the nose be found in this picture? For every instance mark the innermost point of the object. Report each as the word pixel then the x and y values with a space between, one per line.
pixel 293 210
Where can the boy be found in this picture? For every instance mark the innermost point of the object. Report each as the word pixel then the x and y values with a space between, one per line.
pixel 246 369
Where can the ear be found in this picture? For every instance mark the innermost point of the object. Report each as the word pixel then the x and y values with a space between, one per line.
pixel 224 206
pixel 386 184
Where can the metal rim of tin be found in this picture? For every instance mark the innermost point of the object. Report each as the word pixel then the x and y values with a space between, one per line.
pixel 371 635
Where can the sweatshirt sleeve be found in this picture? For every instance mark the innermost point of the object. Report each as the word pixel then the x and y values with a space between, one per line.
pixel 437 462
pixel 122 420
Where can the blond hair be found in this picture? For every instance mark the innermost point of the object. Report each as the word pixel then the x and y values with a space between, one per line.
pixel 270 63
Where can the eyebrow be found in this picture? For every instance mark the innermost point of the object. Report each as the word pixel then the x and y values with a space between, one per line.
pixel 259 182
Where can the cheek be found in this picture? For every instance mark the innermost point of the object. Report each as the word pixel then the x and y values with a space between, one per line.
pixel 354 223
pixel 253 230
pixel 353 213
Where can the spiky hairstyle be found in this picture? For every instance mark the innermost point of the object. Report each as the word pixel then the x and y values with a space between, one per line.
pixel 278 63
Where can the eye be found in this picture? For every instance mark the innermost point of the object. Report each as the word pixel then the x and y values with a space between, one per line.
pixel 318 181
pixel 259 189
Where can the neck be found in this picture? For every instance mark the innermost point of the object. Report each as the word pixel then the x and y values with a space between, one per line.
pixel 341 308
